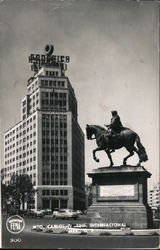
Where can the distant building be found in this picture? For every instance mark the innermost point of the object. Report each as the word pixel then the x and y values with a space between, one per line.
pixel 154 197
pixel 48 143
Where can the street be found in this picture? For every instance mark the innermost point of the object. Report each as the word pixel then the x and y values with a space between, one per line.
pixel 40 240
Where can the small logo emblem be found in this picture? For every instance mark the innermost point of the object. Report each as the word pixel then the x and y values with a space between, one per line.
pixel 15 224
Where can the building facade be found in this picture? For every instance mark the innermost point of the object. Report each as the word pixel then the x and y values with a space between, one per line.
pixel 48 143
pixel 154 197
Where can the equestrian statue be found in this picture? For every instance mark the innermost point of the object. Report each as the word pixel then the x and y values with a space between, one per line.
pixel 115 137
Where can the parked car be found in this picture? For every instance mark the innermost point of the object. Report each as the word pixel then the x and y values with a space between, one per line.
pixel 48 211
pixel 37 213
pixel 79 212
pixel 85 212
pixel 65 214
pixel 55 211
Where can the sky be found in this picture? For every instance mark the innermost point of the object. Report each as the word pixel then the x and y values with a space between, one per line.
pixel 114 65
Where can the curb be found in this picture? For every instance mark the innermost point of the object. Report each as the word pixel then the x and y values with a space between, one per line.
pixel 97 232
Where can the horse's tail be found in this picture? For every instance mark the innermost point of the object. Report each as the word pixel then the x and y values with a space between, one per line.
pixel 141 150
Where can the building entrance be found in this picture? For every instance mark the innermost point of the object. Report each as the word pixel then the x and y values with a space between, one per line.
pixel 58 204
pixel 55 204
pixel 46 204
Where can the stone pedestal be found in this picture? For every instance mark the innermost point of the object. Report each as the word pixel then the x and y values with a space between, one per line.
pixel 120 196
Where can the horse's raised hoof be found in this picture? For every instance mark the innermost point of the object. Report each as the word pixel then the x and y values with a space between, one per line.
pixel 97 160
pixel 124 163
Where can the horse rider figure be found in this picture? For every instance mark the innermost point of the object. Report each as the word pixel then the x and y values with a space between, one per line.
pixel 115 126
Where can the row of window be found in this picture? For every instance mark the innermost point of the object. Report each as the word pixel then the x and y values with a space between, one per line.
pixel 54 141
pixel 51 73
pixel 50 83
pixel 55 134
pixel 55 166
pixel 13 167
pixel 54 192
pixel 54 149
pixel 54 182
pixel 20 157
pixel 47 157
pixel 56 117
pixel 24 132
pixel 56 124
pixel 45 104
pixel 20 148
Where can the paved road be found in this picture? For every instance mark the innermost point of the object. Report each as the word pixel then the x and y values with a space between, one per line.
pixel 40 240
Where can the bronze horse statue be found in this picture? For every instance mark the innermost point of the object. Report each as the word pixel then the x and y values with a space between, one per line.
pixel 126 138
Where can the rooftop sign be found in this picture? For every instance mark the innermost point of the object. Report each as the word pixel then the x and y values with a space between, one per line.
pixel 48 59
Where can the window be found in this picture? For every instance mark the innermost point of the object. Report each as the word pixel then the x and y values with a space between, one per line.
pixel 48 192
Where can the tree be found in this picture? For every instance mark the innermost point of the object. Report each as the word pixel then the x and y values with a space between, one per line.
pixel 88 193
pixel 22 190
pixel 6 192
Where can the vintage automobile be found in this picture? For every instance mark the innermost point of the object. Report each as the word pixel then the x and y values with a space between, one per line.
pixel 79 212
pixel 65 214
pixel 34 213
pixel 48 211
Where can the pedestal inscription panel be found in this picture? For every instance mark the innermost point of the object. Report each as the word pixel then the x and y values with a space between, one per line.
pixel 117 192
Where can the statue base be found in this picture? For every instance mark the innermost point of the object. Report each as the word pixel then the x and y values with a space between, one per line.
pixel 120 196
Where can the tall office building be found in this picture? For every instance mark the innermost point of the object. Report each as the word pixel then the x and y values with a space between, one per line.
pixel 48 143
pixel 154 197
